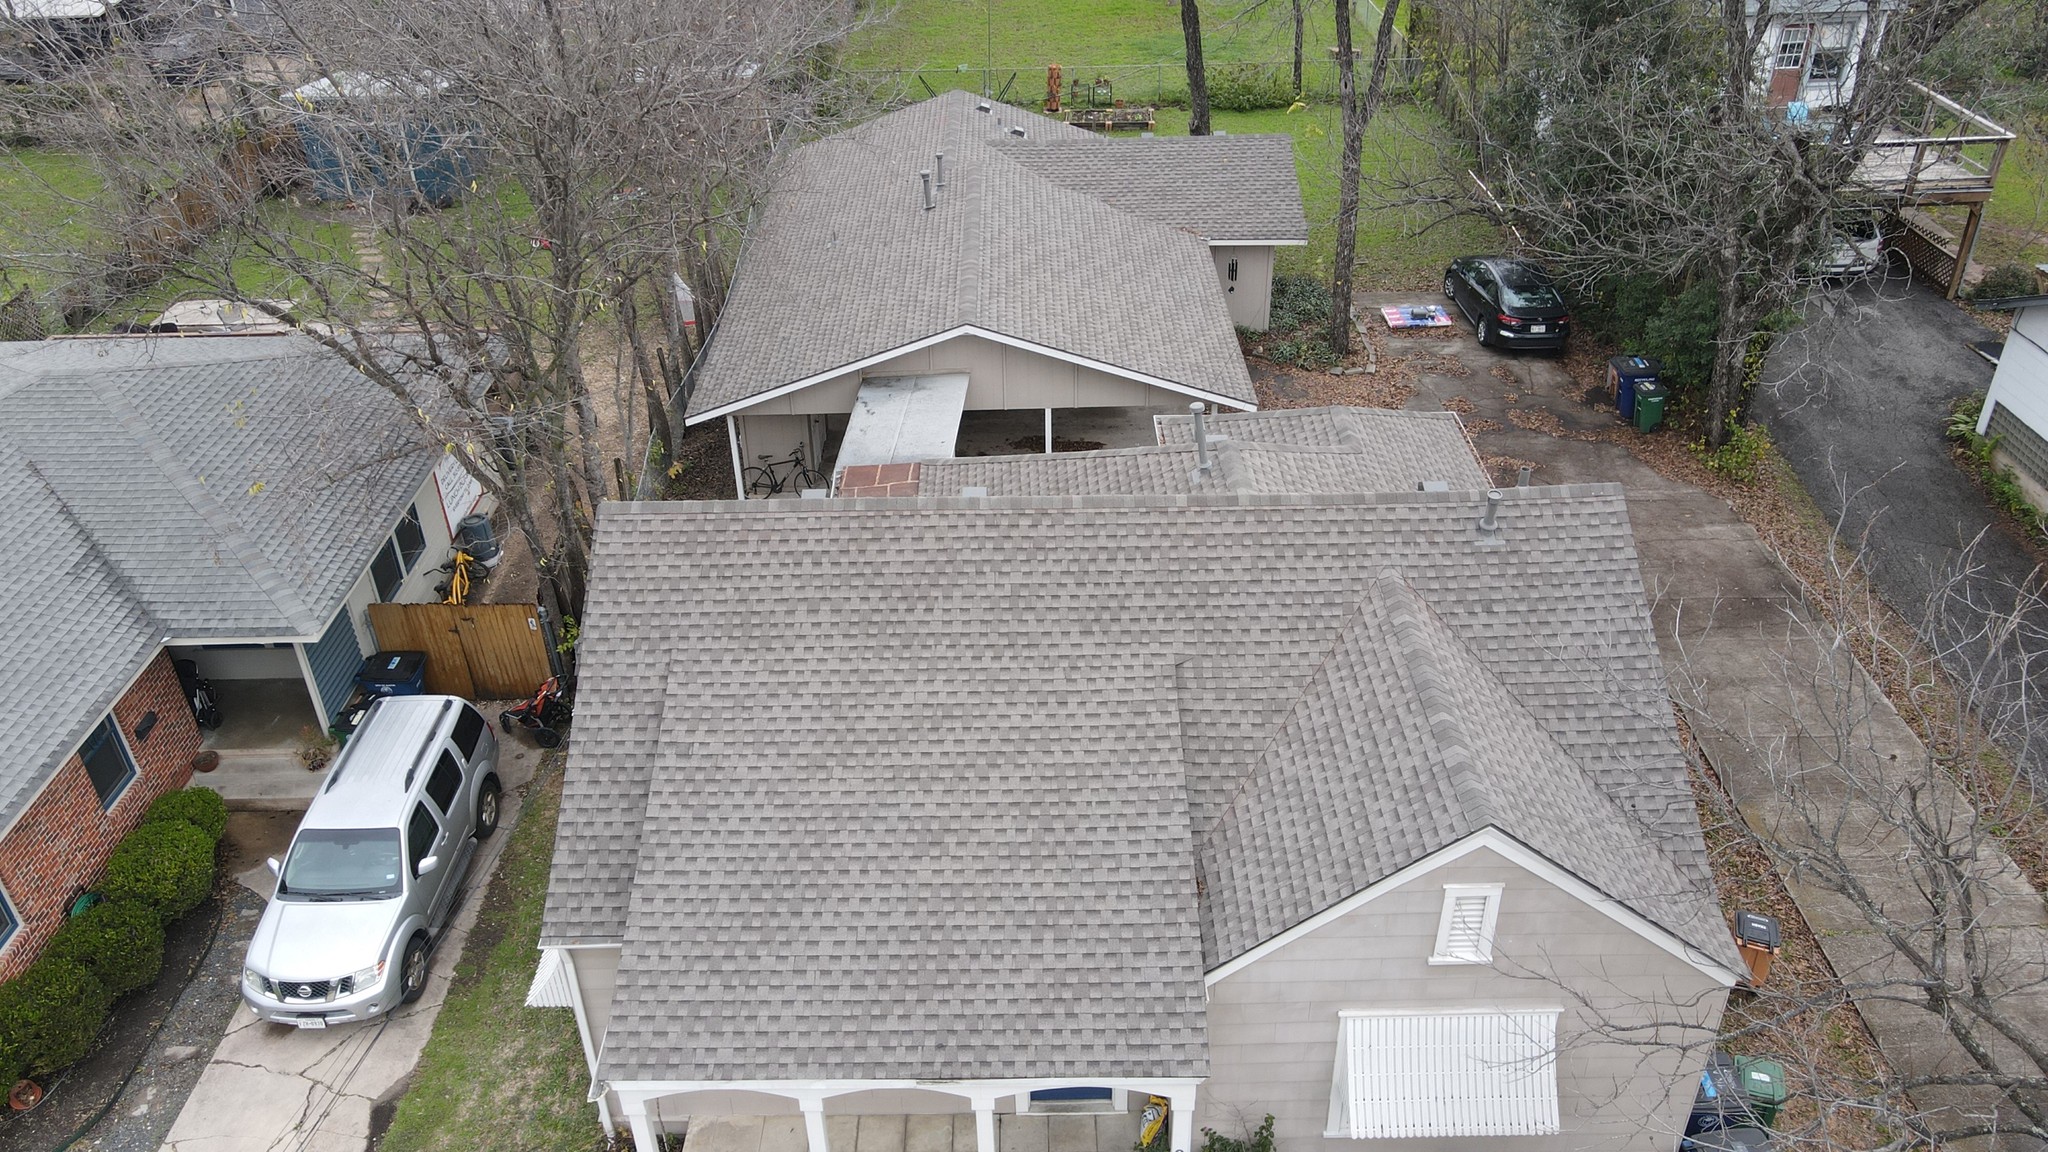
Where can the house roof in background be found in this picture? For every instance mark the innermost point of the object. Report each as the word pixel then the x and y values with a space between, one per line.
pixel 166 492
pixel 971 627
pixel 846 264
pixel 1278 450
pixel 1222 188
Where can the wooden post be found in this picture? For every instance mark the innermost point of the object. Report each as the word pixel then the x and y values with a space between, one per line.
pixel 1964 247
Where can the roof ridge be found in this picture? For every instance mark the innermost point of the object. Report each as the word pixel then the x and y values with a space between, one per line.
pixel 1415 627
pixel 233 535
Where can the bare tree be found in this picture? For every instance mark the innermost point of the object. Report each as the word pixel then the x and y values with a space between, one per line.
pixel 477 193
pixel 1198 76
pixel 1300 28
pixel 1636 139
pixel 1357 115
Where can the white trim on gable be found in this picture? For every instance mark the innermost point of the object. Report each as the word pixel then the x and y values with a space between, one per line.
pixel 967 330
pixel 1516 853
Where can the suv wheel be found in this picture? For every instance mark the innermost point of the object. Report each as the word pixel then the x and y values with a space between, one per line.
pixel 487 808
pixel 1448 294
pixel 412 971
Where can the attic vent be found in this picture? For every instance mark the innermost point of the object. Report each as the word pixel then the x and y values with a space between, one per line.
pixel 982 107
pixel 1017 130
pixel 1465 935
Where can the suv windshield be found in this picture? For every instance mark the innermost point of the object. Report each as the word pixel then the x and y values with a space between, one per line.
pixel 342 862
pixel 1522 288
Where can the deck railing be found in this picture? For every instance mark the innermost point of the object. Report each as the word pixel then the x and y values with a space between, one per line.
pixel 1955 151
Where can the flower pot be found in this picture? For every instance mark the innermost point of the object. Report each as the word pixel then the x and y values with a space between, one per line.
pixel 206 761
pixel 26 1095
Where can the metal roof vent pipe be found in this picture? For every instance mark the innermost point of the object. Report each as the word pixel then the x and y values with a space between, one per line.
pixel 940 165
pixel 931 199
pixel 1196 410
pixel 1522 478
pixel 1489 524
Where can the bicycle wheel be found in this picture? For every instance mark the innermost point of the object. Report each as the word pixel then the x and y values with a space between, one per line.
pixel 807 478
pixel 761 481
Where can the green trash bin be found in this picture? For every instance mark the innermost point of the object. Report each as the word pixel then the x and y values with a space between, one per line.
pixel 1650 398
pixel 1763 1082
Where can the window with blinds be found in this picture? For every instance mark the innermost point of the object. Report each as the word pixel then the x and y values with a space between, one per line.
pixel 1465 934
pixel 1404 1075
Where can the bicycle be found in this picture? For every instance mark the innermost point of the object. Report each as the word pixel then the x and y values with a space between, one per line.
pixel 767 481
pixel 464 572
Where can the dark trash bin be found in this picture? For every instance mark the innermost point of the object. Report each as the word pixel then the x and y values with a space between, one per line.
pixel 1627 373
pixel 1650 398
pixel 1720 1101
pixel 1740 1138
pixel 1757 937
pixel 474 536
pixel 393 674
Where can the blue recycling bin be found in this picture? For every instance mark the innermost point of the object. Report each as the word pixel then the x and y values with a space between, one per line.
pixel 393 674
pixel 1623 374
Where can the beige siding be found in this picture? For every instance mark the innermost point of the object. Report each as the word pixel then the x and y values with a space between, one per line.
pixel 998 377
pixel 1250 296
pixel 1273 1024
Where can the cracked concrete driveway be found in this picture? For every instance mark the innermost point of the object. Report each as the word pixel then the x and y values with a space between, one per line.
pixel 276 1089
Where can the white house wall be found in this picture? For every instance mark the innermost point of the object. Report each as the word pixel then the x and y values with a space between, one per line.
pixel 2020 387
pixel 418 585
pixel 1273 1024
pixel 1250 296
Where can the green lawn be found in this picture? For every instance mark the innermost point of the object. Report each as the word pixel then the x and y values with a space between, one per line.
pixel 496 1073
pixel 41 214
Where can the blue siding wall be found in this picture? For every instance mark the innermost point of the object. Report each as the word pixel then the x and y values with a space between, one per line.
pixel 335 660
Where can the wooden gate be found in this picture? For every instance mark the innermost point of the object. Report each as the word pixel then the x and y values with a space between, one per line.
pixel 481 651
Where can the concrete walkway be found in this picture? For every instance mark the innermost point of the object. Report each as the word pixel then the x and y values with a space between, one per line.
pixel 1729 620
pixel 274 1089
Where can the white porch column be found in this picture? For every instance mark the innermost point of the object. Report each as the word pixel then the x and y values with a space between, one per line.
pixel 985 1120
pixel 732 435
pixel 1182 1119
pixel 814 1123
pixel 635 1105
pixel 1048 431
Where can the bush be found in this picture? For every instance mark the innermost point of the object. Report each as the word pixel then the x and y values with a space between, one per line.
pixel 2004 282
pixel 200 807
pixel 1249 87
pixel 167 866
pixel 120 942
pixel 49 1017
pixel 1742 456
pixel 1299 301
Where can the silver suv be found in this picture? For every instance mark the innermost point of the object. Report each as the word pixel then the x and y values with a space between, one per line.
pixel 375 867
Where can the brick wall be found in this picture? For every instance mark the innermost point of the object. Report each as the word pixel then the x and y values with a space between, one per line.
pixel 61 843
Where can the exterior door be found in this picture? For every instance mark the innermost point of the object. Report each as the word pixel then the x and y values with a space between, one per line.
pixel 1788 64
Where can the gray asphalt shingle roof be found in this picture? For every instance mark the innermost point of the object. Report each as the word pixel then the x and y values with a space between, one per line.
pixel 166 491
pixel 1338 450
pixel 845 263
pixel 815 737
pixel 1237 188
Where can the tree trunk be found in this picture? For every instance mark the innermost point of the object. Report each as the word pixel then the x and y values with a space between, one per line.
pixel 1731 355
pixel 1357 116
pixel 1300 25
pixel 1198 79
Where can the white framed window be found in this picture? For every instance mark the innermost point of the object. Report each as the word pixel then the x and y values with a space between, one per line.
pixel 1792 41
pixel 1402 1075
pixel 9 922
pixel 1464 935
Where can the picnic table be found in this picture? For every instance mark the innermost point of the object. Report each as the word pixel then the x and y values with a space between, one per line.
pixel 1399 316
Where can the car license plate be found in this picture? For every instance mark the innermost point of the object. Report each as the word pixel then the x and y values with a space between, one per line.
pixel 311 1021
pixel 1539 329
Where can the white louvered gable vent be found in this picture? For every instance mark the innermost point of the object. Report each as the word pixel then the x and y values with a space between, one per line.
pixel 1465 934
pixel 1445 1074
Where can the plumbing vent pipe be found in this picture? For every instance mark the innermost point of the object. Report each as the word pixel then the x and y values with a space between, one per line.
pixel 1522 479
pixel 931 200
pixel 1201 436
pixel 1490 523
pixel 940 165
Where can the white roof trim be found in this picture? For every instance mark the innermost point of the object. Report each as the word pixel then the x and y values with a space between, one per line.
pixel 967 330
pixel 1516 853
pixel 1233 242
pixel 969 1089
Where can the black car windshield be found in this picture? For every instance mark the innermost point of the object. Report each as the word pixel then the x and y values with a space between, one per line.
pixel 342 863
pixel 1525 288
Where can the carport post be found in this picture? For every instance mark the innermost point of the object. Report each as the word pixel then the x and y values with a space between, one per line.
pixel 1181 1120
pixel 635 1104
pixel 984 1102
pixel 1048 431
pixel 732 435
pixel 814 1123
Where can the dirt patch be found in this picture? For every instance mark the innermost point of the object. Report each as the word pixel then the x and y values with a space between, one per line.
pixel 253 837
pixel 1037 444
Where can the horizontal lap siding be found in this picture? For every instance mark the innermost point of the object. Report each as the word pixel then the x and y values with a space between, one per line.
pixel 61 843
pixel 1273 1025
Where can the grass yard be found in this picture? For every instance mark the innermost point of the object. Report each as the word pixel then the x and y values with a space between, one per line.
pixel 40 217
pixel 1033 33
pixel 496 1073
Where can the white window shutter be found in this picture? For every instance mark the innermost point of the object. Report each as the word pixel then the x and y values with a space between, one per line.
pixel 1410 1075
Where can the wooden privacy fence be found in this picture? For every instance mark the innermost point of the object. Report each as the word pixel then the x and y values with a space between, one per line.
pixel 481 651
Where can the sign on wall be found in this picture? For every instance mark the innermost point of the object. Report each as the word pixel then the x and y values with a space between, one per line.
pixel 459 490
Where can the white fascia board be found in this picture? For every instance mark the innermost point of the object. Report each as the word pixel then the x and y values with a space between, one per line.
pixel 827 374
pixel 826 1089
pixel 240 641
pixel 1516 853
pixel 1228 242
pixel 986 334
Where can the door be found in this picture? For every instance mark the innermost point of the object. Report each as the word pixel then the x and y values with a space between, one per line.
pixel 451 800
pixel 1788 64
pixel 424 838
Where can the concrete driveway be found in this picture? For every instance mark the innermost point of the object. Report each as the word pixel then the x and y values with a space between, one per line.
pixel 1857 399
pixel 276 1089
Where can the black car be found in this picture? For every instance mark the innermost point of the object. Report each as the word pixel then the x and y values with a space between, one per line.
pixel 1511 302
